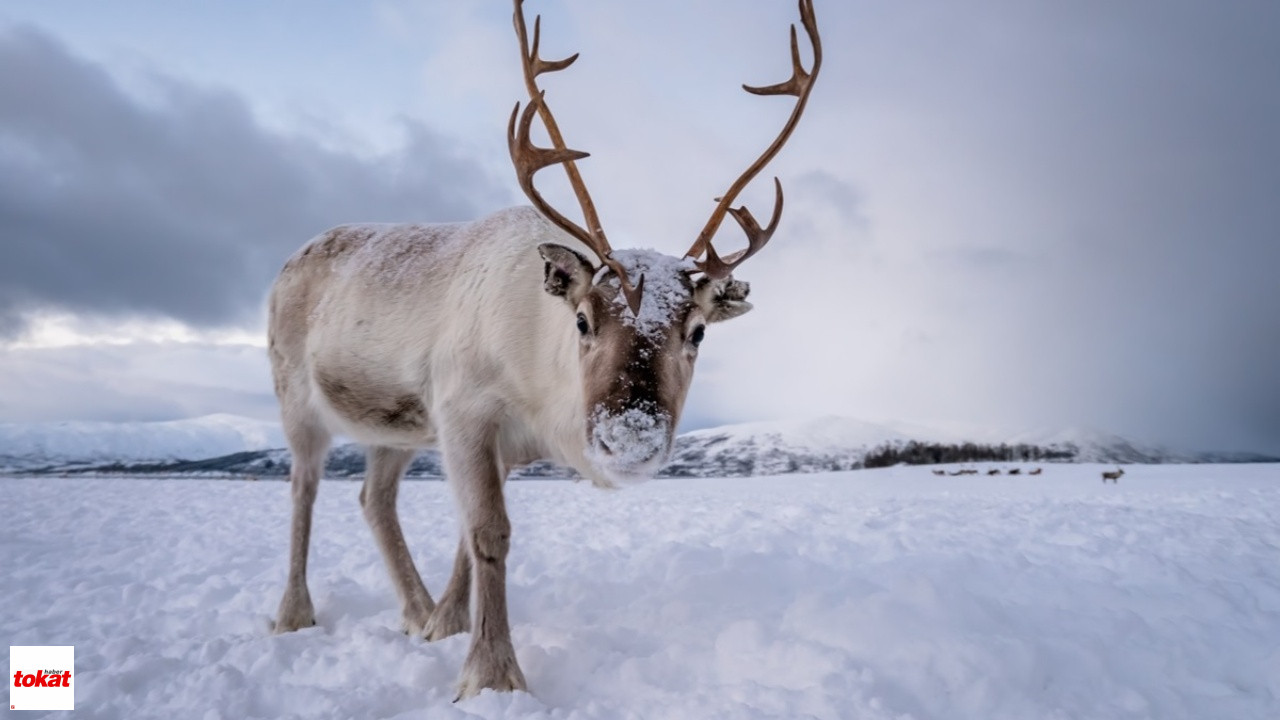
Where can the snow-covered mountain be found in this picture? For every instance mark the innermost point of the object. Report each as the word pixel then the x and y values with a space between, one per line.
pixel 1091 445
pixel 25 446
pixel 236 446
pixel 772 448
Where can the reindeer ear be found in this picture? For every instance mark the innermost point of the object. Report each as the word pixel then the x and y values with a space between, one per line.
pixel 566 274
pixel 722 299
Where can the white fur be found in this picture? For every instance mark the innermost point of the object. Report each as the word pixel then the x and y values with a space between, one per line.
pixel 411 336
pixel 468 324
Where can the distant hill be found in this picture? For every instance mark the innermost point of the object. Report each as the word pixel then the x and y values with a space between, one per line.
pixel 773 448
pixel 30 446
pixel 231 446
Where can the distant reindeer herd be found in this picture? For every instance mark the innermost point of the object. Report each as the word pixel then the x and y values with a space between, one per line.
pixel 1108 475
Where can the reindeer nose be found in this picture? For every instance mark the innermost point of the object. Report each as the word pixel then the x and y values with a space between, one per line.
pixel 640 453
pixel 631 438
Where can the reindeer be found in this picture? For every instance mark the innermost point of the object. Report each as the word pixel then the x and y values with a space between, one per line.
pixel 1015 471
pixel 993 471
pixel 500 342
pixel 1036 471
pixel 1113 476
pixel 939 472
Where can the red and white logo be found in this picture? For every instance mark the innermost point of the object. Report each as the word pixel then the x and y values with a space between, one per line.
pixel 41 677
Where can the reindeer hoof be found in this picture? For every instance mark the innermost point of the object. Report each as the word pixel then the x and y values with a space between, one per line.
pixel 283 626
pixel 449 619
pixel 414 619
pixel 296 612
pixel 498 672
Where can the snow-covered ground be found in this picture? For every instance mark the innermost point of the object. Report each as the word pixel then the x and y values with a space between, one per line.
pixel 871 594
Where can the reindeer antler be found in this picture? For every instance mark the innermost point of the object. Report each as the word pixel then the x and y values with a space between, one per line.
pixel 799 85
pixel 529 158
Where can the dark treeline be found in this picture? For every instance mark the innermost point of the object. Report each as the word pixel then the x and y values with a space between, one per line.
pixel 920 453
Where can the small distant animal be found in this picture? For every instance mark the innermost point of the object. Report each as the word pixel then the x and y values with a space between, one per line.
pixel 1112 476
pixel 1016 471
pixel 1035 472
pixel 993 471
pixel 939 472
pixel 958 472
pixel 969 471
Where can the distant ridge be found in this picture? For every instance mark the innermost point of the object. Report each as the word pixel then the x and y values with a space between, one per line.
pixel 232 446
pixel 772 448
pixel 58 444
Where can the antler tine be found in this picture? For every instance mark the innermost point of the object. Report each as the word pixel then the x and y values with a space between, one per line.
pixel 799 85
pixel 528 158
pixel 757 237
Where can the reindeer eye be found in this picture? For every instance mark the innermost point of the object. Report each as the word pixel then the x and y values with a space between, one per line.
pixel 696 336
pixel 583 327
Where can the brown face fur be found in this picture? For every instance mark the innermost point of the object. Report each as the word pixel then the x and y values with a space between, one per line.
pixel 626 371
pixel 636 372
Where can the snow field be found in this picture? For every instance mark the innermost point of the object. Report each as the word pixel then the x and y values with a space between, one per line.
pixel 871 594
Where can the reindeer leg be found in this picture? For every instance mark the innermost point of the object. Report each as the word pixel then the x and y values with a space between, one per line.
pixel 453 614
pixel 378 499
pixel 309 443
pixel 474 475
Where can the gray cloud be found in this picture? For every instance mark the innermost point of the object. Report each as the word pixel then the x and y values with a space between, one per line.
pixel 180 205
pixel 999 214
pixel 1071 218
pixel 140 381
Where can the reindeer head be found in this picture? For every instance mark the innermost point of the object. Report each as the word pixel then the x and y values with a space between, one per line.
pixel 636 366
pixel 640 316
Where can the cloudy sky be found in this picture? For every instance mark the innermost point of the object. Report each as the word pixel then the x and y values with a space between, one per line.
pixel 1001 215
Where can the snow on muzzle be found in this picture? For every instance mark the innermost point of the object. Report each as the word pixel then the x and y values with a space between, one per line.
pixel 630 445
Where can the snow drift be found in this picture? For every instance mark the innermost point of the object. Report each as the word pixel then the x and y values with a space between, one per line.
pixel 876 594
